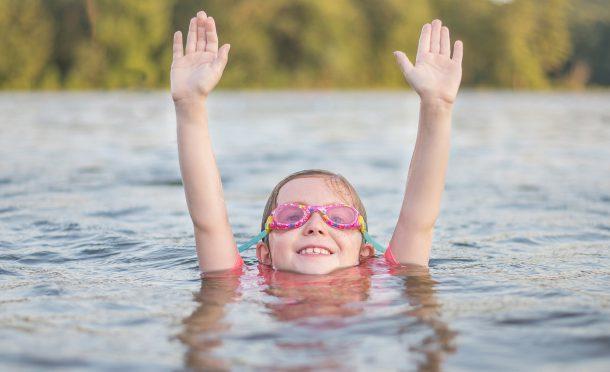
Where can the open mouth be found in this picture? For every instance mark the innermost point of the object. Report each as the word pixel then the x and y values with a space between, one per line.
pixel 314 251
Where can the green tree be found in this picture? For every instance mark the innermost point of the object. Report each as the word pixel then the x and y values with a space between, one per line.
pixel 277 43
pixel 128 41
pixel 514 44
pixel 26 43
pixel 590 35
pixel 471 22
pixel 517 61
pixel 71 29
pixel 301 43
pixel 391 25
pixel 93 44
pixel 534 42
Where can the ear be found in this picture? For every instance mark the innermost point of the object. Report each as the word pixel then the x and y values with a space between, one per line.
pixel 263 253
pixel 366 251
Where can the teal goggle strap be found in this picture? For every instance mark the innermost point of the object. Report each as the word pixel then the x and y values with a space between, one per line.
pixel 257 238
pixel 265 232
pixel 368 238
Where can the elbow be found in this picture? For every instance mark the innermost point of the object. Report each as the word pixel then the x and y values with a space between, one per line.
pixel 202 228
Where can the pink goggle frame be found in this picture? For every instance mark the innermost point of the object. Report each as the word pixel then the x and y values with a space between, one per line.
pixel 294 215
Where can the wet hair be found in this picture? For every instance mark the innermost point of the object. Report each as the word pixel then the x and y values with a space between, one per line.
pixel 336 182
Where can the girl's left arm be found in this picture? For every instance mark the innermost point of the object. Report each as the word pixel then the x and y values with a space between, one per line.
pixel 436 78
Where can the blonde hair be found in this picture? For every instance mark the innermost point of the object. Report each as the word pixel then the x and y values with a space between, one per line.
pixel 336 181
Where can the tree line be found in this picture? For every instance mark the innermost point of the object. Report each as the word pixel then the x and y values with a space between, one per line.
pixel 118 44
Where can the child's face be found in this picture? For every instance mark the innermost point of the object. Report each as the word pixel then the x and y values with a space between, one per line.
pixel 345 245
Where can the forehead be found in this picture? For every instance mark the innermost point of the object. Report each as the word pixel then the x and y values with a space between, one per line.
pixel 311 190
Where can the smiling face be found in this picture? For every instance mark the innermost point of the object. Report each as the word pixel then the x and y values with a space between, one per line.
pixel 315 247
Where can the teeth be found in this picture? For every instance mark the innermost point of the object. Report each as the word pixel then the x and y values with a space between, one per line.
pixel 315 250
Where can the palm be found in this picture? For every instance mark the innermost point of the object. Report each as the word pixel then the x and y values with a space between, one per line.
pixel 435 75
pixel 194 73
pixel 197 71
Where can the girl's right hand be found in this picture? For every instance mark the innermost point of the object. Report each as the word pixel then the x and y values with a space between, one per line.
pixel 196 72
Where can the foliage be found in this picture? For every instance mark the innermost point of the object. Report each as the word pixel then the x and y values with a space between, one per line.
pixel 108 44
pixel 26 43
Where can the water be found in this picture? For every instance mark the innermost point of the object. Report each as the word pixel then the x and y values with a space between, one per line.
pixel 98 267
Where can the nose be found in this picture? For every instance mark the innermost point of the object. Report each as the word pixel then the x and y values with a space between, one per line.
pixel 315 225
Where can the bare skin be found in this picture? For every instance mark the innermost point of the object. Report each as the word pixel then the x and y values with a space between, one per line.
pixel 195 72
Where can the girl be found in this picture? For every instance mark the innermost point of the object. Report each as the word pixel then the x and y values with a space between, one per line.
pixel 314 221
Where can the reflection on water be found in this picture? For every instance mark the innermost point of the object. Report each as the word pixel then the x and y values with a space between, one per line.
pixel 203 328
pixel 97 258
pixel 319 311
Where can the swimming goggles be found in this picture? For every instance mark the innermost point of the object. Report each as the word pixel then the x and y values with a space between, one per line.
pixel 294 215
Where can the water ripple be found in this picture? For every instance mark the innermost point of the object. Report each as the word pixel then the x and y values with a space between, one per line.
pixel 119 212
pixel 98 264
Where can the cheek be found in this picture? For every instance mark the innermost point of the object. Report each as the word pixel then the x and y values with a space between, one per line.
pixel 349 240
pixel 282 237
pixel 282 240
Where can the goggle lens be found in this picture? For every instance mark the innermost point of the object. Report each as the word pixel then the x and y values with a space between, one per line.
pixel 337 215
pixel 342 215
pixel 289 214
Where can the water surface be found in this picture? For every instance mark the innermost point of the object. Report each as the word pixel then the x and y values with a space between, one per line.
pixel 98 267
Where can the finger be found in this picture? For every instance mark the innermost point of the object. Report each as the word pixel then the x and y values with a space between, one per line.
pixel 211 36
pixel 223 57
pixel 435 37
pixel 424 41
pixel 445 42
pixel 177 47
pixel 191 38
pixel 403 62
pixel 201 20
pixel 458 51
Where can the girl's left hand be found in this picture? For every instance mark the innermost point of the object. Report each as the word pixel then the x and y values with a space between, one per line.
pixel 436 75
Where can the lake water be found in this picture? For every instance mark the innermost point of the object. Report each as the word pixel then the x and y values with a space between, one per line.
pixel 98 267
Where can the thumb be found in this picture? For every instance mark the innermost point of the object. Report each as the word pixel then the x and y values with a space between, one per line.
pixel 403 62
pixel 223 56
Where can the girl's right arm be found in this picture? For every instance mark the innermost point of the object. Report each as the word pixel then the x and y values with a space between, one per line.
pixel 194 73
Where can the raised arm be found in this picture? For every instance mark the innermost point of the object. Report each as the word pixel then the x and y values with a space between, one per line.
pixel 194 73
pixel 436 78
